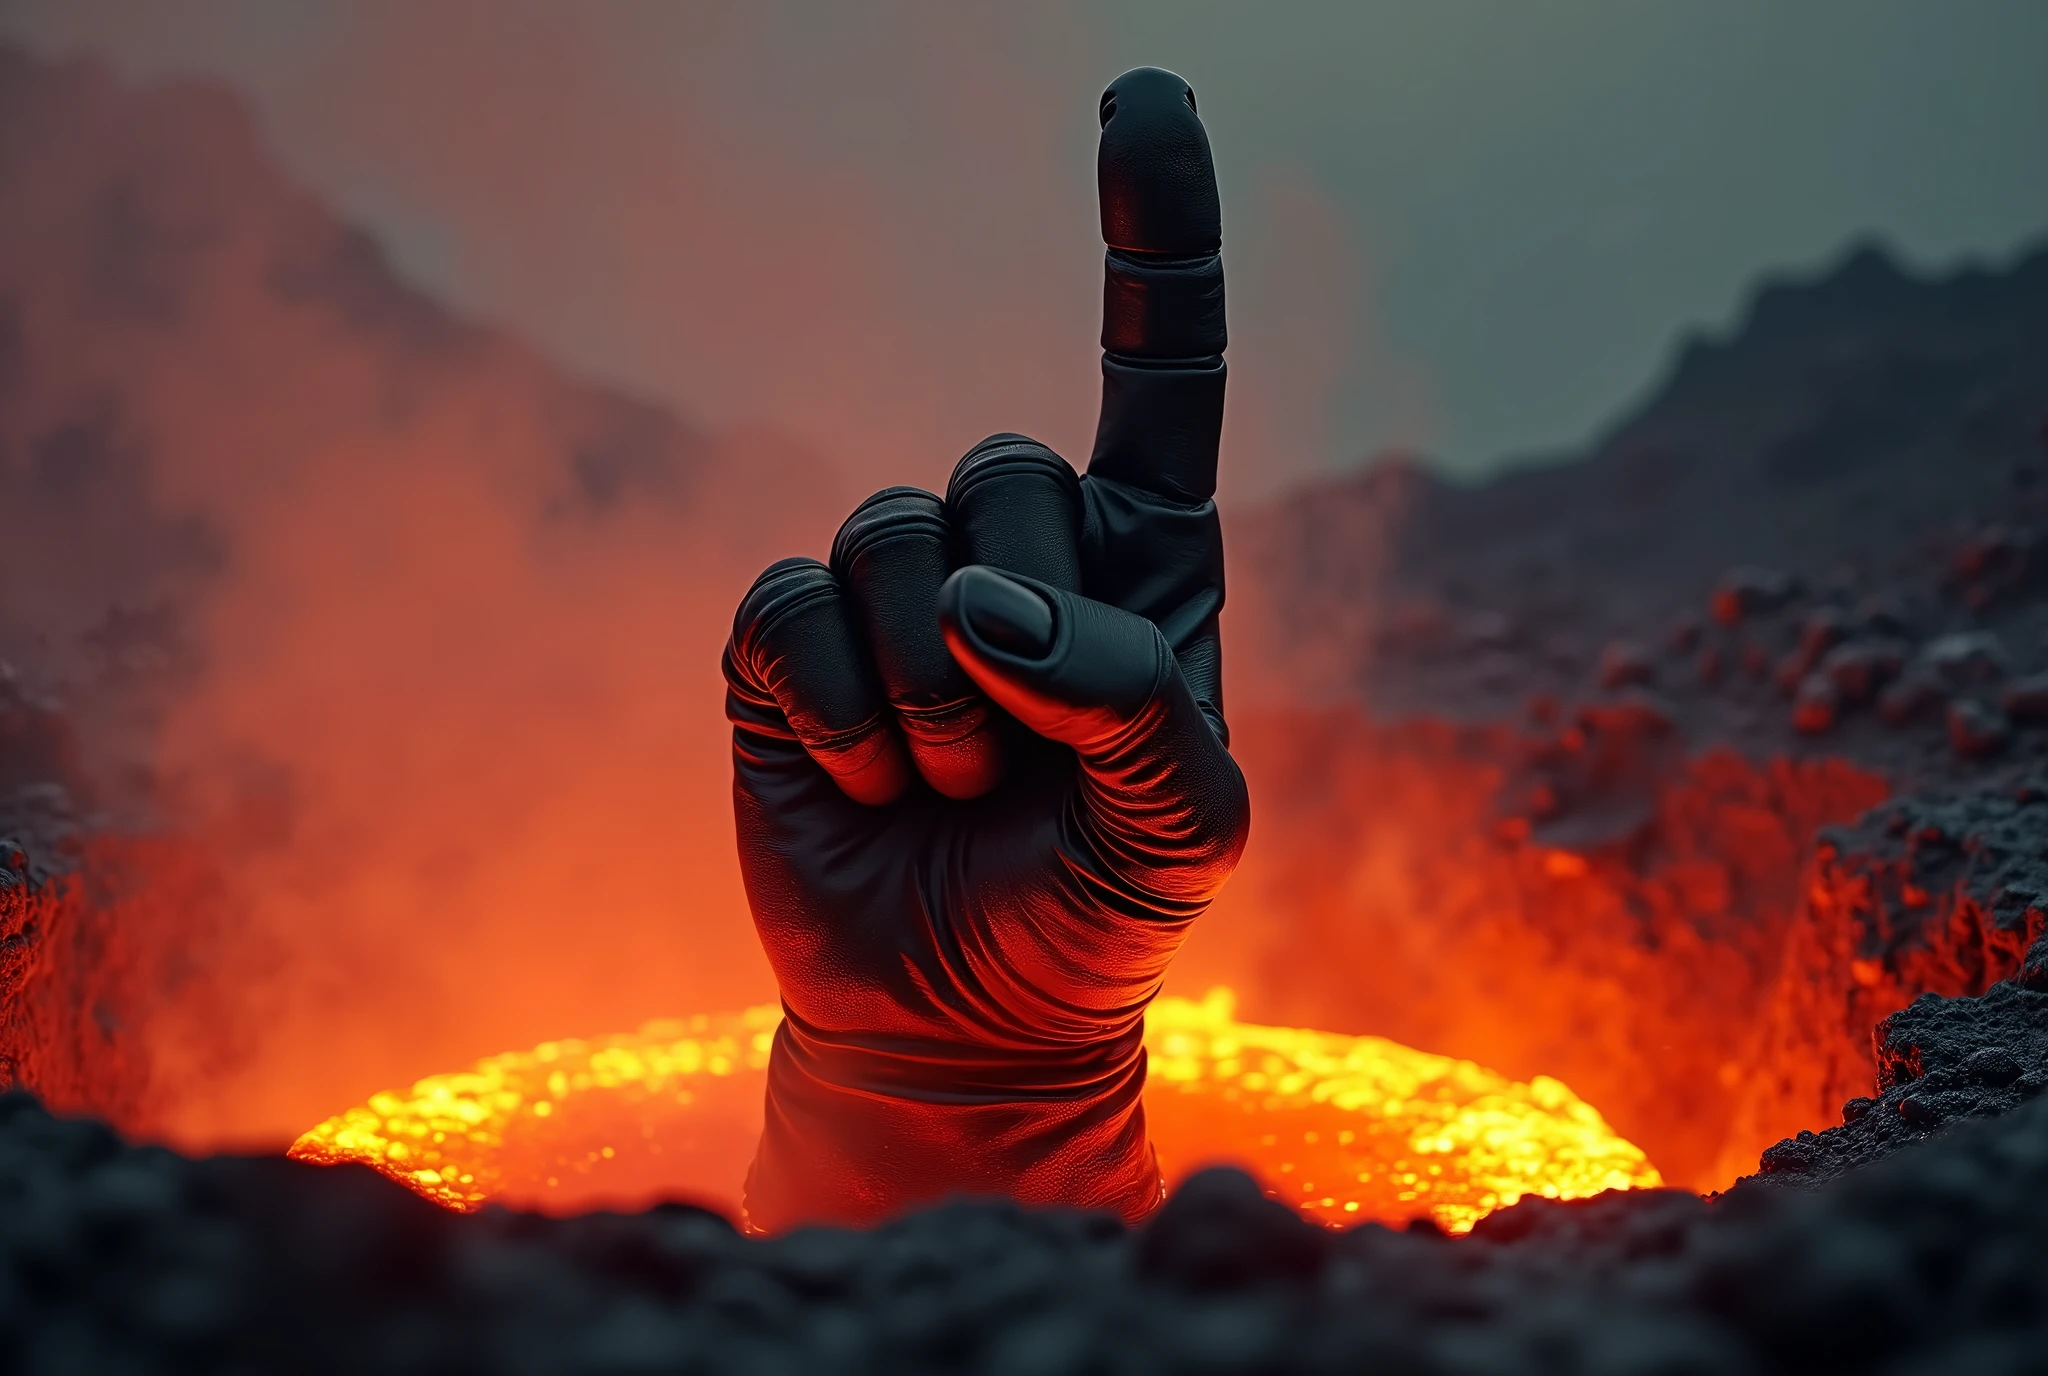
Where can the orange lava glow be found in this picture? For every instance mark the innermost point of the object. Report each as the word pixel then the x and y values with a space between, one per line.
pixel 1347 1129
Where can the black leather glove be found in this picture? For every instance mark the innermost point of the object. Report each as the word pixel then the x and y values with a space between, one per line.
pixel 980 768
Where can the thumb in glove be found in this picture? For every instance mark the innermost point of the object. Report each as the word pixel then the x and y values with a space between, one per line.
pixel 1162 802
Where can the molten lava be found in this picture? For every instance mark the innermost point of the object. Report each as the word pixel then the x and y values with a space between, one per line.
pixel 1346 1129
pixel 1354 1128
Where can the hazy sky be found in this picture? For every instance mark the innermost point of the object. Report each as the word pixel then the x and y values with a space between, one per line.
pixel 1469 228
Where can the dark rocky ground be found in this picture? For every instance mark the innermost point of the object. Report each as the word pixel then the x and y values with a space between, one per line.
pixel 1820 540
pixel 135 1260
pixel 1944 1058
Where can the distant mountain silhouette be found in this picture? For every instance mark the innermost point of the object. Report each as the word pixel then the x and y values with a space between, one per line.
pixel 1849 425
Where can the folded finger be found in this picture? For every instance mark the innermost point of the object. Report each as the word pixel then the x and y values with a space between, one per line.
pixel 795 670
pixel 892 555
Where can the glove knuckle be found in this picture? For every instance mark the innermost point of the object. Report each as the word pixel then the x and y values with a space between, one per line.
pixel 894 513
pixel 1016 506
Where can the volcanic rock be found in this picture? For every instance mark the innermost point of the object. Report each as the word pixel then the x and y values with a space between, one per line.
pixel 1911 697
pixel 1747 590
pixel 1818 634
pixel 1940 1061
pixel 2027 700
pixel 1815 705
pixel 1966 659
pixel 1880 615
pixel 1219 1231
pixel 1994 561
pixel 1624 663
pixel 1977 730
pixel 1859 668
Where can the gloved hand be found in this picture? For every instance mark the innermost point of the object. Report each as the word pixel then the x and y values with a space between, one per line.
pixel 979 762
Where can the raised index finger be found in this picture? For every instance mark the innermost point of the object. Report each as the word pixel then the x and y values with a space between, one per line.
pixel 1162 297
pixel 1152 543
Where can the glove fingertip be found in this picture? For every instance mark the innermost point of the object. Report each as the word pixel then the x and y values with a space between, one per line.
pixel 996 613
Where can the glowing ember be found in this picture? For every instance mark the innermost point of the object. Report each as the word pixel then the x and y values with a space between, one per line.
pixel 1346 1129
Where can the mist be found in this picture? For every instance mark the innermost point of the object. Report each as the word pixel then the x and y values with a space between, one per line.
pixel 1466 231
pixel 401 646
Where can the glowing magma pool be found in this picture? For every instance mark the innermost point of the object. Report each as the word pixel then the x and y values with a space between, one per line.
pixel 1344 1128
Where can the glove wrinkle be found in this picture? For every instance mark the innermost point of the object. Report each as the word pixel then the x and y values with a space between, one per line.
pixel 794 663
pixel 1163 311
pixel 939 1073
pixel 992 1043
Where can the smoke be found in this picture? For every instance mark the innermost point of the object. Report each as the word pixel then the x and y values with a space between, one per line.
pixel 874 231
pixel 410 637
pixel 1308 364
pixel 875 234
